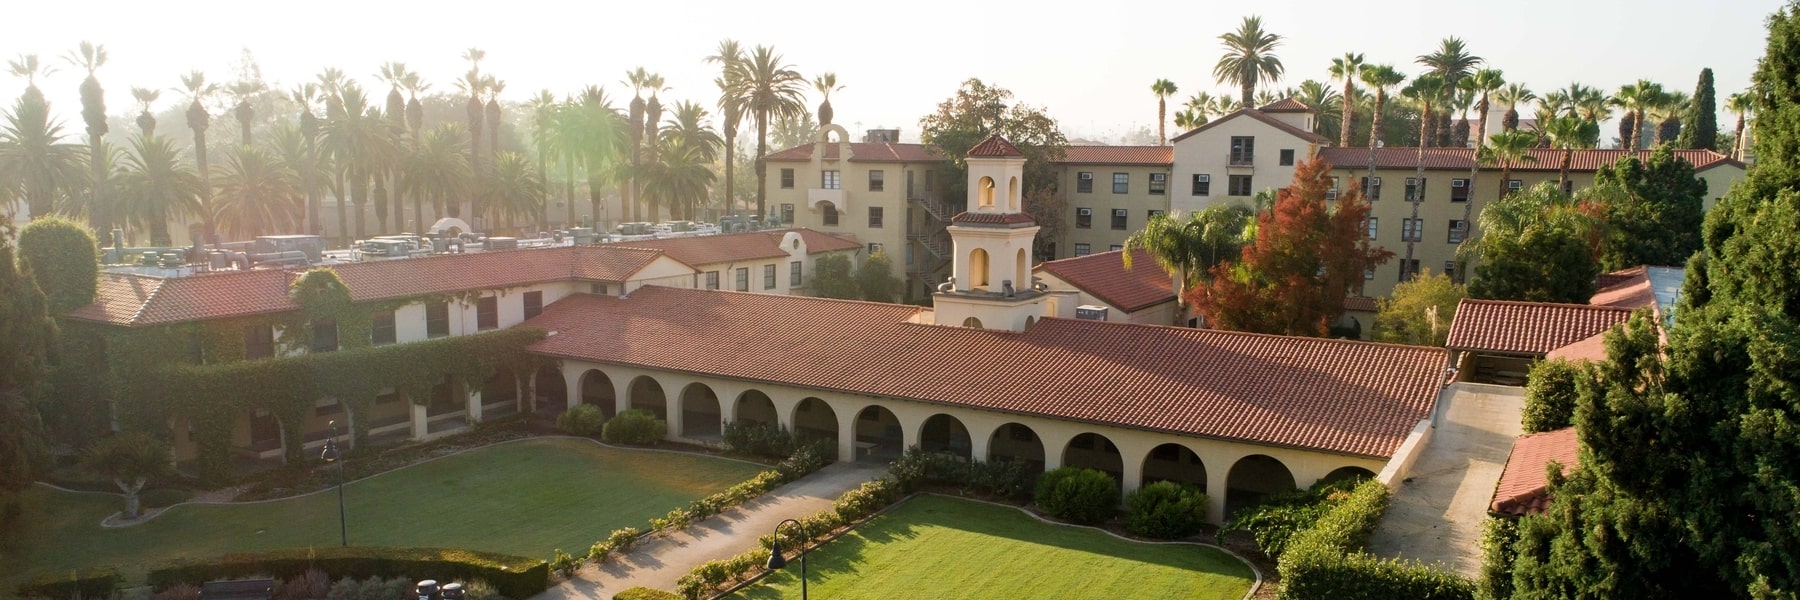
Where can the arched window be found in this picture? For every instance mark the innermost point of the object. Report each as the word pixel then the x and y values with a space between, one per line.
pixel 986 188
pixel 972 323
pixel 1021 272
pixel 978 269
pixel 1012 193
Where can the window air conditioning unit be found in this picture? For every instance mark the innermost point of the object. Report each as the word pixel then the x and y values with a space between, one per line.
pixel 1085 212
pixel 1515 184
pixel 1331 194
pixel 1087 176
pixel 1377 181
pixel 1205 178
pixel 1091 312
pixel 1412 181
pixel 1456 183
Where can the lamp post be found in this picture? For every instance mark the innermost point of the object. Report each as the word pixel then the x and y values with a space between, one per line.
pixel 777 562
pixel 331 456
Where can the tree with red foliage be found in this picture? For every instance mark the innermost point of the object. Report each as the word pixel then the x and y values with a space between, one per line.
pixel 1308 255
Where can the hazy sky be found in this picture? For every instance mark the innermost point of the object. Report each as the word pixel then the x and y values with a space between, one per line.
pixel 1090 67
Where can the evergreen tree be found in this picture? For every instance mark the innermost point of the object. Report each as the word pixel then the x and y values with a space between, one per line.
pixel 831 277
pixel 1419 311
pixel 1534 246
pixel 26 337
pixel 1653 210
pixel 875 280
pixel 65 259
pixel 1700 120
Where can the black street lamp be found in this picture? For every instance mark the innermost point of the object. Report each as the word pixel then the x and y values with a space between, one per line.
pixel 330 455
pixel 777 562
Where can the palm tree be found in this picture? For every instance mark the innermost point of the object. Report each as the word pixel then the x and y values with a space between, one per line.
pixel 1634 98
pixel 1347 68
pixel 491 115
pixel 472 85
pixel 1568 133
pixel 767 89
pixel 1249 58
pixel 35 164
pixel 160 187
pixel 1450 62
pixel 244 91
pixel 1188 245
pixel 146 120
pixel 543 113
pixel 199 120
pixel 1482 85
pixel 1425 91
pixel 1201 103
pixel 415 127
pixel 687 133
pixel 1506 149
pixel 1512 95
pixel 598 135
pixel 1665 115
pixel 1163 88
pixel 1739 104
pixel 295 152
pixel 439 170
pixel 307 165
pixel 361 145
pixel 1321 99
pixel 628 206
pixel 90 57
pixel 258 194
pixel 731 109
pixel 1224 105
pixel 518 192
pixel 1187 119
pixel 680 178
pixel 1380 78
pixel 826 84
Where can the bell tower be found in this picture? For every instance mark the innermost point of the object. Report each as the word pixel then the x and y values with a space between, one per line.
pixel 990 285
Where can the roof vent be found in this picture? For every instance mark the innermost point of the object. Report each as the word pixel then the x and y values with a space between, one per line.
pixel 1092 312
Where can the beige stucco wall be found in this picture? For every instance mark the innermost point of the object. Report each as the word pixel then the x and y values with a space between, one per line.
pixel 853 216
pixel 1137 202
pixel 1158 314
pixel 1209 152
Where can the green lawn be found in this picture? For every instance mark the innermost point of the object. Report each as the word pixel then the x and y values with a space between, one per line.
pixel 938 547
pixel 523 498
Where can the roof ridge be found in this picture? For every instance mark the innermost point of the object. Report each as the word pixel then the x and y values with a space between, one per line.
pixel 915 308
pixel 1229 333
pixel 1547 304
pixel 145 305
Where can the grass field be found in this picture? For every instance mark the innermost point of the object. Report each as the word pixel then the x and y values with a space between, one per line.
pixel 937 547
pixel 523 498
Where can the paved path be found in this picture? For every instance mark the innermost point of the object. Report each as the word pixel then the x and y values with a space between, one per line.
pixel 1436 515
pixel 659 562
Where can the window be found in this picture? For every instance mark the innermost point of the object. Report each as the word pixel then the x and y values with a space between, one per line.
pixel 1240 186
pixel 1118 218
pixel 259 341
pixel 794 273
pixel 1155 212
pixel 712 280
pixel 1371 189
pixel 875 217
pixel 1243 150
pixel 382 330
pixel 768 277
pixel 1082 250
pixel 1450 269
pixel 1374 224
pixel 1412 230
pixel 1412 267
pixel 1569 187
pixel 1459 190
pixel 437 319
pixel 930 180
pixel 1084 218
pixel 1159 183
pixel 1114 248
pixel 1202 184
pixel 787 179
pixel 487 313
pixel 877 180
pixel 1415 189
pixel 534 304
pixel 1121 183
pixel 787 213
pixel 909 185
pixel 1513 185
pixel 1084 182
pixel 830 214
pixel 1369 274
pixel 1458 229
pixel 1332 193
pixel 874 249
pixel 831 180
pixel 743 279
pixel 325 335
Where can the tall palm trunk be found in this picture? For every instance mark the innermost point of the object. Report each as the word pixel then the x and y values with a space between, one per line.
pixel 762 172
pixel 569 189
pixel 1162 121
pixel 1346 121
pixel 199 121
pixel 415 123
pixel 731 164
pixel 245 116
pixel 359 195
pixel 1375 123
pixel 381 205
pixel 1475 167
pixel 1568 158
pixel 309 129
pixel 1737 140
pixel 474 109
pixel 343 210
pixel 1248 90
pixel 1418 196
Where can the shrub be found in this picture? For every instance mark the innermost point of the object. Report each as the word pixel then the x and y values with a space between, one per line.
pixel 644 593
pixel 863 501
pixel 1497 555
pixel 376 588
pixel 1165 510
pixel 511 576
pixel 1326 560
pixel 473 590
pixel 756 439
pixel 1550 395
pixel 1279 517
pixel 806 458
pixel 179 592
pixel 635 427
pixel 917 467
pixel 562 563
pixel 1078 495
pixel 86 583
pixel 349 588
pixel 582 420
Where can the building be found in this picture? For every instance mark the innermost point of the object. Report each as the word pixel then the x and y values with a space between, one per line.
pixel 1143 294
pixel 1232 157
pixel 1111 191
pixel 1524 486
pixel 777 261
pixel 1450 201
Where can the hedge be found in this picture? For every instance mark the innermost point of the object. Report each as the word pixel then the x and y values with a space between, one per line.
pixel 644 593
pixel 1326 560
pixel 997 478
pixel 635 427
pixel 582 420
pixel 512 576
pixel 851 507
pixel 1165 510
pixel 86 583
pixel 1078 495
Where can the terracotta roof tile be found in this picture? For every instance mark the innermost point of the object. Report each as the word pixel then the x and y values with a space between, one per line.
pixel 1361 304
pixel 1461 159
pixel 602 263
pixel 1105 277
pixel 446 273
pixel 1591 348
pixel 1298 392
pixel 1523 485
pixel 1258 115
pixel 1527 327
pixel 1119 155
pixel 995 146
pixel 864 152
pixel 1007 219
pixel 118 298
pixel 1629 288
pixel 817 241
pixel 737 247
pixel 1285 105
pixel 1607 280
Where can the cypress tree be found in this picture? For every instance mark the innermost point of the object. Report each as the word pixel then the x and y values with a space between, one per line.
pixel 1700 121
pixel 26 337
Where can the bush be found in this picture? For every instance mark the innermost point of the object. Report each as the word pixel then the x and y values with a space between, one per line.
pixel 1326 559
pixel 1003 479
pixel 1275 520
pixel 583 420
pixel 179 592
pixel 349 588
pixel 86 583
pixel 637 427
pixel 756 439
pixel 562 563
pixel 806 458
pixel 1497 555
pixel 1165 510
pixel 1078 495
pixel 644 593
pixel 511 576
pixel 376 588
pixel 863 501
pixel 1550 395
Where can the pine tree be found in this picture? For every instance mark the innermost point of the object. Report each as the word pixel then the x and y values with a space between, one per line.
pixel 26 337
pixel 1700 121
pixel 1653 210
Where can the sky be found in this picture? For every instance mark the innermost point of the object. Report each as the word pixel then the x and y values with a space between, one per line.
pixel 1089 65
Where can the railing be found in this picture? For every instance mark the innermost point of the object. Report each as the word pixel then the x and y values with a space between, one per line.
pixel 937 210
pixel 936 242
pixel 1238 159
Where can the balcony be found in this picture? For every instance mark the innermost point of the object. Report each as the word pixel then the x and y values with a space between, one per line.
pixel 835 196
pixel 1240 159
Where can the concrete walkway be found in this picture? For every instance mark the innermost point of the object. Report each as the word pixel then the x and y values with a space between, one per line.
pixel 1436 515
pixel 659 562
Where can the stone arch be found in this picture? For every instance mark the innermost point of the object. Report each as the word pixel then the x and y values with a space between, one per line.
pixel 753 406
pixel 1095 451
pixel 945 433
pixel 985 191
pixel 597 389
pixel 978 268
pixel 877 434
pixel 1012 193
pixel 700 414
pixel 1174 462
pixel 814 419
pixel 1021 272
pixel 1345 474
pixel 1030 320
pixel 972 323
pixel 1253 478
pixel 552 394
pixel 647 394
pixel 1015 442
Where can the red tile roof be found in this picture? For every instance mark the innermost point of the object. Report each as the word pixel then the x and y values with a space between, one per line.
pixel 1607 280
pixel 1105 277
pixel 864 152
pixel 736 247
pixel 133 300
pixel 995 147
pixel 1591 348
pixel 1628 288
pixel 1527 327
pixel 1258 115
pixel 1285 105
pixel 1119 155
pixel 1522 488
pixel 1461 159
pixel 1299 392
pixel 1360 304
pixel 1008 219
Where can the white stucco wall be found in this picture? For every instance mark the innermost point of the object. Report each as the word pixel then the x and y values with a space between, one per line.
pixel 1209 152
